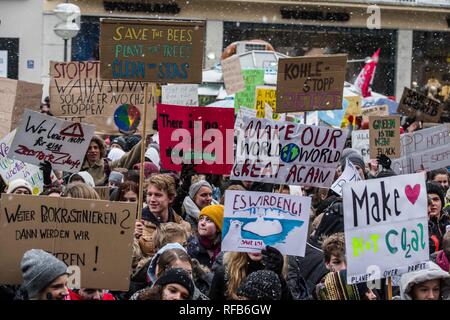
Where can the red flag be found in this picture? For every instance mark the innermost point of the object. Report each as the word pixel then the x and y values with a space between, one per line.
pixel 365 77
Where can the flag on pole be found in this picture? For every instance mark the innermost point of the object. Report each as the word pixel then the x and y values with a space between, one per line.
pixel 365 77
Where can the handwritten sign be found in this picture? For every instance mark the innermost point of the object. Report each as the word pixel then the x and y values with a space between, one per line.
pixel 350 174
pixel 287 153
pixel 239 122
pixel 94 235
pixel 310 83
pixel 180 94
pixel 152 50
pixel 386 227
pixel 254 220
pixel 266 95
pixel 384 136
pixel 416 104
pixel 203 136
pixel 78 94
pixel 44 138
pixel 374 111
pixel 232 75
pixel 353 109
pixel 246 98
pixel 15 97
pixel 360 142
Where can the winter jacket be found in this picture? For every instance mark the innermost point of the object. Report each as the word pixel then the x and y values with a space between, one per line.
pixel 197 251
pixel 436 230
pixel 408 280
pixel 99 170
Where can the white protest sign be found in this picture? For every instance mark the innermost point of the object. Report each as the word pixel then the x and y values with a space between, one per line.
pixel 287 153
pixel 254 220
pixel 350 174
pixel 386 227
pixel 3 63
pixel 180 94
pixel 243 112
pixel 232 75
pixel 42 138
pixel 360 142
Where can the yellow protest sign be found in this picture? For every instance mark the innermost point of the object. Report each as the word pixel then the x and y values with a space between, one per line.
pixel 266 95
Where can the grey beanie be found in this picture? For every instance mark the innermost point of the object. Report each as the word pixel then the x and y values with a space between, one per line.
pixel 196 186
pixel 357 160
pixel 116 177
pixel 39 269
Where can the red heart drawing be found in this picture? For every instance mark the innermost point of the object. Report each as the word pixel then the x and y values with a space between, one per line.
pixel 412 193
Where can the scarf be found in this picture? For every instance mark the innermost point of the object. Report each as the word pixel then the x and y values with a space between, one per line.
pixel 442 261
pixel 209 244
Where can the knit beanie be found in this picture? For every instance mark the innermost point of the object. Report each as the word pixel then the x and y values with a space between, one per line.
pixel 334 287
pixel 196 186
pixel 152 154
pixel 215 213
pixel 115 177
pixel 19 183
pixel 433 187
pixel 115 154
pixel 261 285
pixel 178 276
pixel 120 141
pixel 86 176
pixel 151 271
pixel 356 159
pixel 39 269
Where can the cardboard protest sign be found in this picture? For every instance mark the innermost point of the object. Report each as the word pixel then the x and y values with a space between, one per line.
pixel 416 104
pixel 180 94
pixel 246 98
pixel 386 227
pixel 254 220
pixel 384 136
pixel 152 50
pixel 232 75
pixel 310 83
pixel 94 235
pixel 374 111
pixel 15 97
pixel 426 149
pixel 44 138
pixel 287 153
pixel 266 95
pixel 350 174
pixel 360 142
pixel 203 136
pixel 11 169
pixel 78 94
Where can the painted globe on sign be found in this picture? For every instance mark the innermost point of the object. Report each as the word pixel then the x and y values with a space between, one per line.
pixel 289 152
pixel 127 118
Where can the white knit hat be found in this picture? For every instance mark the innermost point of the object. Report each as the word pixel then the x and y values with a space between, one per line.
pixel 115 154
pixel 153 155
pixel 19 183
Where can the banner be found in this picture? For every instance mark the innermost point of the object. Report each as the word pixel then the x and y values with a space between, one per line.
pixel 384 136
pixel 386 227
pixel 180 94
pixel 232 75
pixel 246 98
pixel 44 138
pixel 152 50
pixel 360 142
pixel 310 83
pixel 203 136
pixel 94 235
pixel 254 220
pixel 78 94
pixel 15 97
pixel 418 105
pixel 287 153
pixel 350 174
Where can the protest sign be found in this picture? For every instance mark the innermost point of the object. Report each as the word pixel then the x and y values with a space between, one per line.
pixel 384 136
pixel 254 220
pixel 360 142
pixel 287 153
pixel 266 95
pixel 180 94
pixel 386 227
pixel 350 174
pixel 374 111
pixel 78 94
pixel 15 97
pixel 239 122
pixel 353 110
pixel 11 169
pixel 203 136
pixel 152 50
pixel 94 235
pixel 426 149
pixel 246 98
pixel 44 138
pixel 232 75
pixel 418 105
pixel 310 83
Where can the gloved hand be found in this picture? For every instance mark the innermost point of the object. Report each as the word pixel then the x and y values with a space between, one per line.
pixel 384 161
pixel 46 168
pixel 272 260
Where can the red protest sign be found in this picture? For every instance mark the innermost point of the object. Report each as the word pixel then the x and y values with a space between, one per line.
pixel 199 135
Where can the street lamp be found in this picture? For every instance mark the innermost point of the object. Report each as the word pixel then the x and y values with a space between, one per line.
pixel 69 26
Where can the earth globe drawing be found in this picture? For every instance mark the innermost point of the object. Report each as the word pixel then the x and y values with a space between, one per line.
pixel 127 117
pixel 289 152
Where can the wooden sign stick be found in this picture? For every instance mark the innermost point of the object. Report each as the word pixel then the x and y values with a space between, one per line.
pixel 141 169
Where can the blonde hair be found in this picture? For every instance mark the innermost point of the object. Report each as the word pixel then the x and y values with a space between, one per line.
pixel 163 182
pixel 80 190
pixel 168 232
